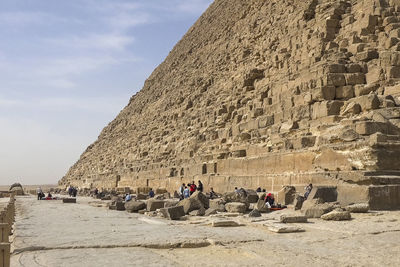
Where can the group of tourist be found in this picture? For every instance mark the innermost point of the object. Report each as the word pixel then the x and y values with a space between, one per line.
pixel 41 195
pixel 72 191
pixel 185 191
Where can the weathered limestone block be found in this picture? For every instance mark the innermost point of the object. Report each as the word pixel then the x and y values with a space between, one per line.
pixel 371 127
pixel 323 93
pixel 173 213
pixel 69 200
pixel 217 204
pixel 313 208
pixel 284 228
pixel 286 195
pixel 367 102
pixel 134 206
pixel 199 212
pixel 211 211
pixel 298 202
pixel 236 207
pixel 345 92
pixel 336 216
pixel 224 223
pixel 255 213
pixel 358 208
pixel 323 193
pixel 366 55
pixel 293 219
pixel 326 108
pixel 304 142
pixel 154 204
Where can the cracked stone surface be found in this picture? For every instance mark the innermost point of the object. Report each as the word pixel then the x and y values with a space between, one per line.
pixel 50 233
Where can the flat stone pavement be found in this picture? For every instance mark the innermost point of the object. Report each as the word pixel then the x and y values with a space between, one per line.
pixel 50 233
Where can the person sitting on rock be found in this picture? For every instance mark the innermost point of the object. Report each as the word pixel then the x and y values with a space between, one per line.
pixel 49 196
pixel 213 194
pixel 270 199
pixel 151 193
pixel 308 189
pixel 128 197
pixel 236 190
pixel 200 187
pixel 186 192
pixel 258 190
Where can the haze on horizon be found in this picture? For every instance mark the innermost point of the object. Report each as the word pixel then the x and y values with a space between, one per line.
pixel 68 67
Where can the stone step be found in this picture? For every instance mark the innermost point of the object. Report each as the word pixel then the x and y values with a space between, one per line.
pixel 385 180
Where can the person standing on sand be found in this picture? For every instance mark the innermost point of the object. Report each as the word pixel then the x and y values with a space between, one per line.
pixel 39 193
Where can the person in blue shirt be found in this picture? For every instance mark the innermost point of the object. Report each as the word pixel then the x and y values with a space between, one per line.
pixel 128 197
pixel 151 193
pixel 186 192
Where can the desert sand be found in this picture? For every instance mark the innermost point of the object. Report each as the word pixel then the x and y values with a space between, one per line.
pixel 50 233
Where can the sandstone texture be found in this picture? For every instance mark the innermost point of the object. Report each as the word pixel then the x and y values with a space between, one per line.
pixel 265 94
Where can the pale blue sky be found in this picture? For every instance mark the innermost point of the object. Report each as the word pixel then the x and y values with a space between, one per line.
pixel 68 67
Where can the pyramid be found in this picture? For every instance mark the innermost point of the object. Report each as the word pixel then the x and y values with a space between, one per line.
pixel 265 94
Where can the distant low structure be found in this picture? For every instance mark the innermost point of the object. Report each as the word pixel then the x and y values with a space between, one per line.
pixel 17 188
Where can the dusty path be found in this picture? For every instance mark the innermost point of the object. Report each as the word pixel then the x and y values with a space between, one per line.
pixel 50 233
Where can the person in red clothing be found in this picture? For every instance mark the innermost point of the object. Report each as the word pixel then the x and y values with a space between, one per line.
pixel 193 188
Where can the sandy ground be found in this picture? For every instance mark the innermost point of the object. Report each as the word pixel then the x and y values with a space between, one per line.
pixel 50 233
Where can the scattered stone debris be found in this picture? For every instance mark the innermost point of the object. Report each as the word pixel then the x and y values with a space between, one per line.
pixel 173 213
pixel 224 223
pixel 135 206
pixel 358 208
pixel 336 215
pixel 282 228
pixel 293 219
pixel 236 207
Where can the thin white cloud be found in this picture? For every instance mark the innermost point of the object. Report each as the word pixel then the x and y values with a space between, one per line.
pixel 109 41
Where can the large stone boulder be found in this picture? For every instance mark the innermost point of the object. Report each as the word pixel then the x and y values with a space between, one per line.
pixel 134 206
pixel 358 208
pixel 337 215
pixel 173 213
pixel 190 204
pixel 286 195
pixel 285 218
pixel 255 213
pixel 325 193
pixel 202 198
pixel 170 203
pixel 298 202
pixel 210 211
pixel 314 208
pixel 260 206
pixel 236 207
pixel 224 223
pixel 217 204
pixel 199 212
pixel 154 204
pixel 243 196
pixel 252 196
